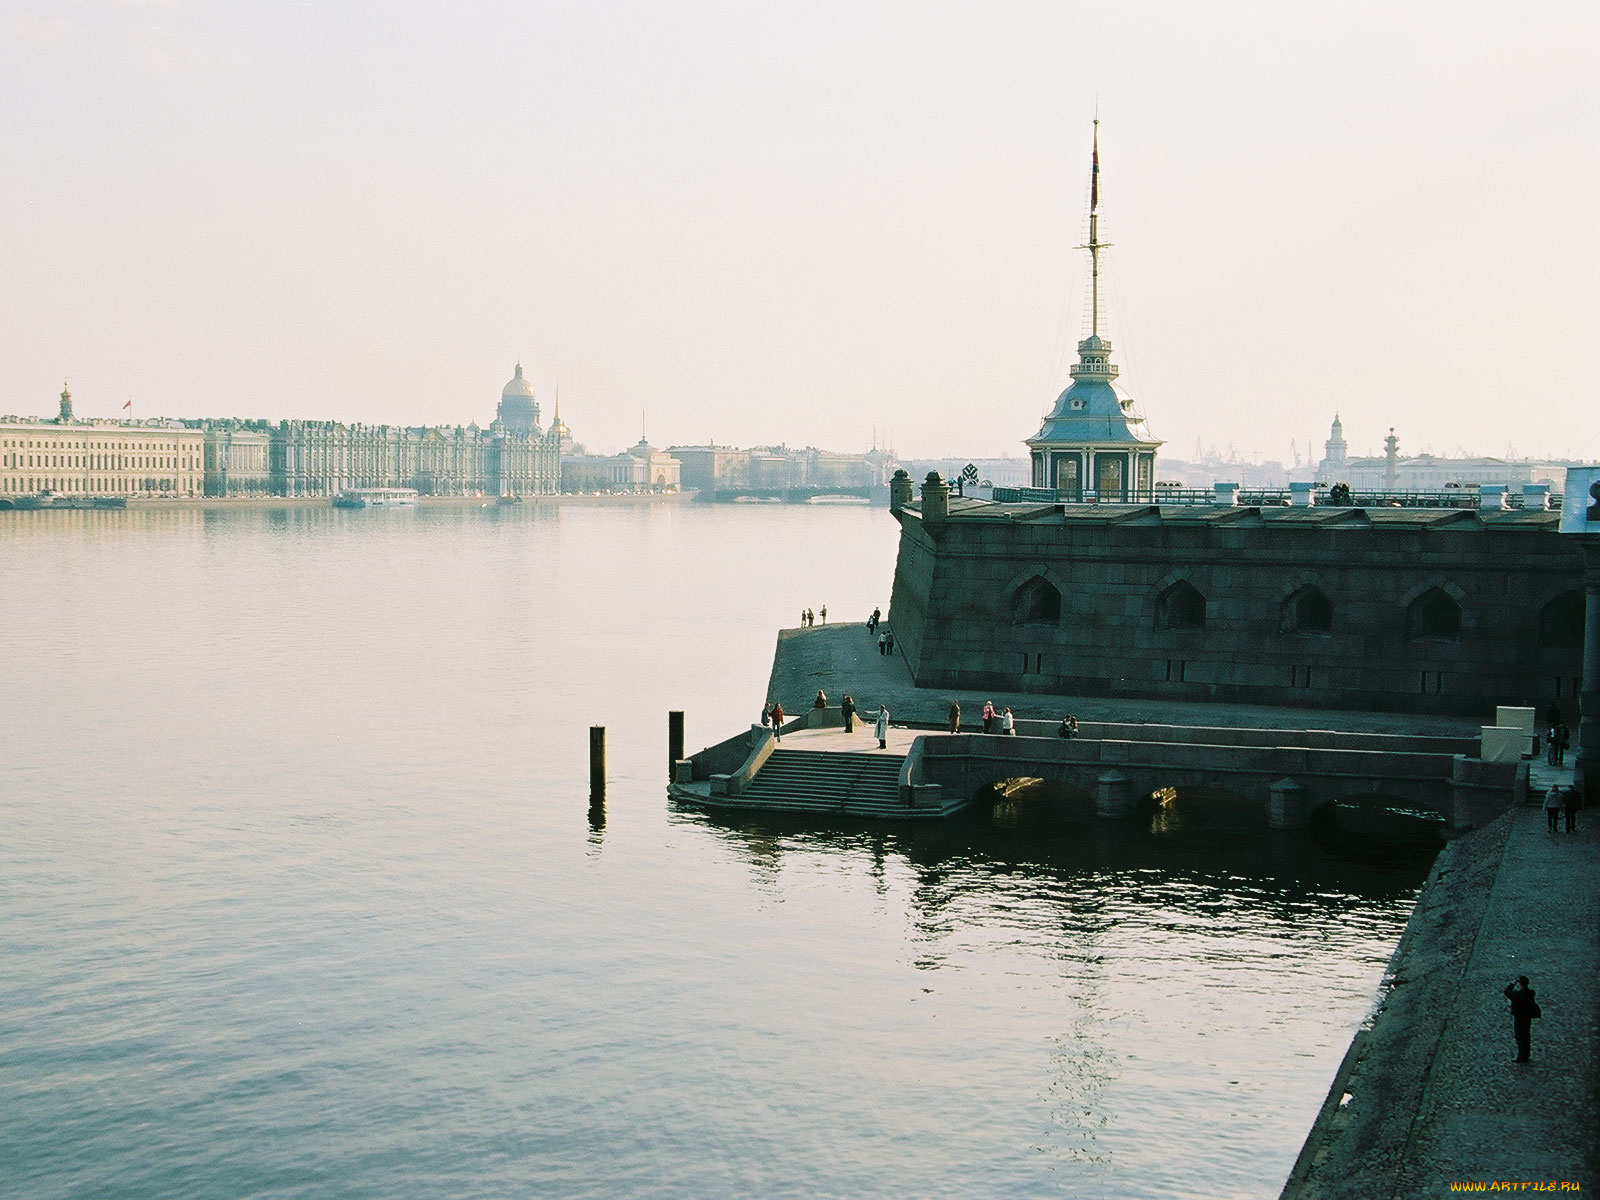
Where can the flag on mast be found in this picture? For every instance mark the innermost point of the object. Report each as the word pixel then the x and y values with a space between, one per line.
pixel 1094 171
pixel 129 404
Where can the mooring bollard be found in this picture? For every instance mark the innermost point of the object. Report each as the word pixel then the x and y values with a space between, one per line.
pixel 674 740
pixel 597 762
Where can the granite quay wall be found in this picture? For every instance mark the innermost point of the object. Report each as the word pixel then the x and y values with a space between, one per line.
pixel 1236 735
pixel 1286 782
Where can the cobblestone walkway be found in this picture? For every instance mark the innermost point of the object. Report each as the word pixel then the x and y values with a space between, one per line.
pixel 845 658
pixel 1432 1096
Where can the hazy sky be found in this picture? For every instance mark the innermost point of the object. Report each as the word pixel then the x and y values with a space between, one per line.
pixel 758 222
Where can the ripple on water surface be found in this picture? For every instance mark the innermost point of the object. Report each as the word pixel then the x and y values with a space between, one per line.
pixel 299 895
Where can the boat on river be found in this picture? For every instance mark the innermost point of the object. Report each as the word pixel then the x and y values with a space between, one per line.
pixel 52 499
pixel 375 498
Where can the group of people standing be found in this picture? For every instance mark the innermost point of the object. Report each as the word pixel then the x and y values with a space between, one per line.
pixel 1558 801
pixel 809 618
pixel 1560 737
pixel 847 709
pixel 993 722
pixel 773 716
pixel 885 637
pixel 1005 722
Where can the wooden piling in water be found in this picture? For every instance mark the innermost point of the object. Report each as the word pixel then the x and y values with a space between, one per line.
pixel 674 740
pixel 597 762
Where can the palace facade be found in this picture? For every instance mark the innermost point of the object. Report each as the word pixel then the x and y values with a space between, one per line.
pixel 513 456
pixel 99 457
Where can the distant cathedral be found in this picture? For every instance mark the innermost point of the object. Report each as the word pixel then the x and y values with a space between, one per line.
pixel 522 459
pixel 519 411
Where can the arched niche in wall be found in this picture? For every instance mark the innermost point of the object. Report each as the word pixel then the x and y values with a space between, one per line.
pixel 1561 621
pixel 1036 601
pixel 1306 610
pixel 1435 614
pixel 1181 606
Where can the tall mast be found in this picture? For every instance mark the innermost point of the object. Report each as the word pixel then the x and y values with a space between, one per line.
pixel 1095 244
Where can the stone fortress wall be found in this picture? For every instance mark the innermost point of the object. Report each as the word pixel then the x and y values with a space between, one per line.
pixel 1415 610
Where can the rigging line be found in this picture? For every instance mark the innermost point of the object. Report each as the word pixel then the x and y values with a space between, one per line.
pixel 1124 320
pixel 1065 342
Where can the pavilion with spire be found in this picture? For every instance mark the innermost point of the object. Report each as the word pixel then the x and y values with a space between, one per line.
pixel 1094 444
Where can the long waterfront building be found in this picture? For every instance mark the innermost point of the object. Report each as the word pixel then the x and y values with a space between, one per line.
pixel 99 457
pixel 230 457
pixel 1426 472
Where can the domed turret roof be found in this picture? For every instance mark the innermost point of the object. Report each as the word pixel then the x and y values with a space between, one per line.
pixel 519 413
pixel 518 386
pixel 1094 410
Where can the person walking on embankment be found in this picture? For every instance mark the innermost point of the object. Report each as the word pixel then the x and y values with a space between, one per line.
pixel 1523 1010
pixel 1552 807
pixel 777 721
pixel 955 716
pixel 988 716
pixel 882 727
pixel 1569 800
pixel 847 706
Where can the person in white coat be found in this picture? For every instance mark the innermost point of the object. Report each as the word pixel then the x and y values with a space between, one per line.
pixel 881 728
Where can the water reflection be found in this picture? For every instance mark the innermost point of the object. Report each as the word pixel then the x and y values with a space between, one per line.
pixel 1360 853
pixel 1166 948
pixel 330 810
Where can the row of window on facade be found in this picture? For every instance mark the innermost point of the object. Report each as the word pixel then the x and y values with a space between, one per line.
pixel 96 462
pixel 1307 610
pixel 119 486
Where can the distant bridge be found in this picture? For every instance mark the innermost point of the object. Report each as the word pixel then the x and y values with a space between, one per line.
pixel 796 495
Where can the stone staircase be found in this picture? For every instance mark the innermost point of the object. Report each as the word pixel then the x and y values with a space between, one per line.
pixel 1541 775
pixel 864 785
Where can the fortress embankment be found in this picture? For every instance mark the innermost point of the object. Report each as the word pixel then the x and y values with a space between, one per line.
pixel 1415 610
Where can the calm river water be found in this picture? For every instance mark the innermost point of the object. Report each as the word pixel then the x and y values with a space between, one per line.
pixel 299 896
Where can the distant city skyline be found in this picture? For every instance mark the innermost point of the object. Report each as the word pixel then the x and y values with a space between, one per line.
pixel 805 226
